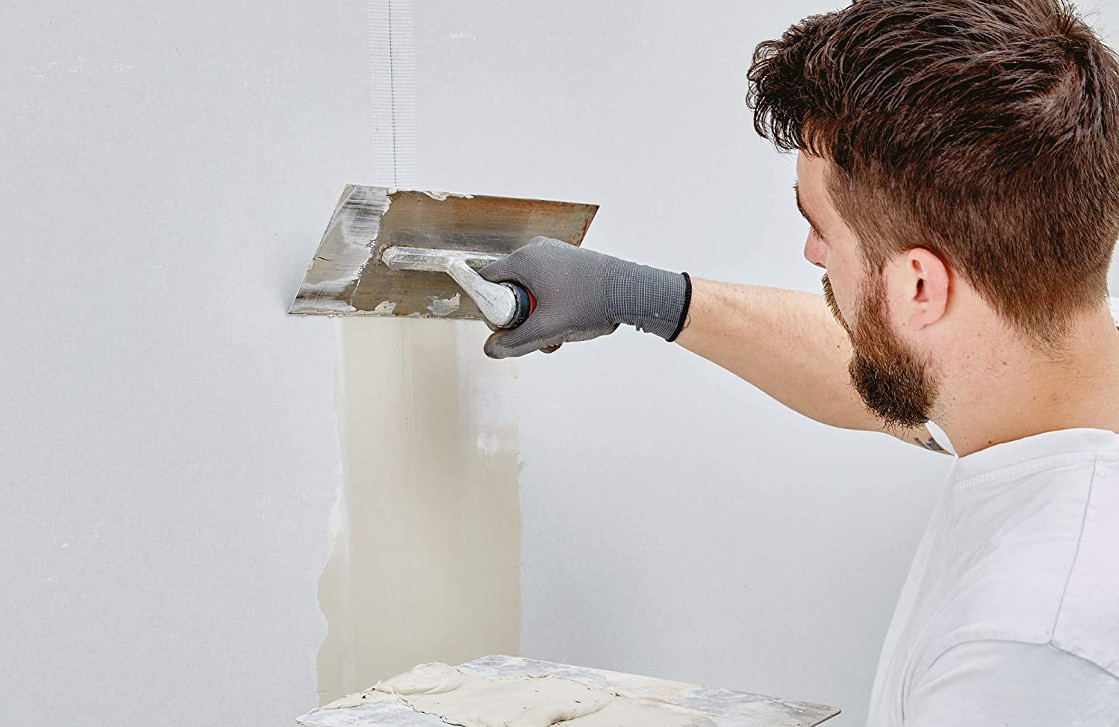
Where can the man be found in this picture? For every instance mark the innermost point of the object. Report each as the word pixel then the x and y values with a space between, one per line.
pixel 958 163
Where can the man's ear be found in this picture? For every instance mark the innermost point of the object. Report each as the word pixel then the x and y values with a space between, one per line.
pixel 923 284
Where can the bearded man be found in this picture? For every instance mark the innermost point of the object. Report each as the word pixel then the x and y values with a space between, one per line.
pixel 958 165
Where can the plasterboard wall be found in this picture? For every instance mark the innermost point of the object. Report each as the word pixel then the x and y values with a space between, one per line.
pixel 179 456
pixel 168 447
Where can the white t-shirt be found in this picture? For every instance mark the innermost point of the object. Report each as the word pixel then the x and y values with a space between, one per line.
pixel 1010 613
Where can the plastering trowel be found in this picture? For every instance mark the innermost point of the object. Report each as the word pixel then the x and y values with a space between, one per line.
pixel 389 252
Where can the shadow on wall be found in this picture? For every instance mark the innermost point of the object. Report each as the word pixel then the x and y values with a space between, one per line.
pixel 426 558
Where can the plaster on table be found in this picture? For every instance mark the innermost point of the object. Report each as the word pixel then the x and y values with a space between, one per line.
pixel 725 707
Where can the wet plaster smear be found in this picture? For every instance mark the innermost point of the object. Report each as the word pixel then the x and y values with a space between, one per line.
pixel 477 701
pixel 426 557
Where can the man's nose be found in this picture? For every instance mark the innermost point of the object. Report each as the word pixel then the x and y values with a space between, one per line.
pixel 814 250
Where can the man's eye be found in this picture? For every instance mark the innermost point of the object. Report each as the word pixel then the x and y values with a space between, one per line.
pixel 816 232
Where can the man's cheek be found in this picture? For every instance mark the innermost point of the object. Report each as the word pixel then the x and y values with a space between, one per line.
pixel 846 310
pixel 847 299
pixel 842 300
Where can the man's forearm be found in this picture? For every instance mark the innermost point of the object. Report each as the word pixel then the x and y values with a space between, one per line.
pixel 785 342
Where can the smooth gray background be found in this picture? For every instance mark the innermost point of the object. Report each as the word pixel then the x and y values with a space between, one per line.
pixel 168 446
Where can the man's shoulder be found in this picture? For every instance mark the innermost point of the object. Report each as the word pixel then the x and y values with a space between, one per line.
pixel 1012 683
pixel 1087 623
pixel 1036 561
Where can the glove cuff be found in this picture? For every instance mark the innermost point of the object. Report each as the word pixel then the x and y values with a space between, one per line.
pixel 650 299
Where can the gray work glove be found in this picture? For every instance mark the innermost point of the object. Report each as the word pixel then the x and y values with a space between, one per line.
pixel 581 294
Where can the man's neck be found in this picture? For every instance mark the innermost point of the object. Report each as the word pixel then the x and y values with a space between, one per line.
pixel 1008 391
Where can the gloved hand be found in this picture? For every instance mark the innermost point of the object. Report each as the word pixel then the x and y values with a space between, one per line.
pixel 581 294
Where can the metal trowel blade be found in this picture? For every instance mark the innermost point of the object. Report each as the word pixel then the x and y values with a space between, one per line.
pixel 347 278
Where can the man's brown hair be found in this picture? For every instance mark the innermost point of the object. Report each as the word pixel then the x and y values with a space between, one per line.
pixel 984 130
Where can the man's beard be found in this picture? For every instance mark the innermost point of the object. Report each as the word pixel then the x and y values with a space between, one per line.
pixel 892 380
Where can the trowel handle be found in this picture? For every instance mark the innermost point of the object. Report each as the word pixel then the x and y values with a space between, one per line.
pixel 504 305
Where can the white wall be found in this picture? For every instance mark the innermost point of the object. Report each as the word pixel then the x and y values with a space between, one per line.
pixel 675 521
pixel 168 447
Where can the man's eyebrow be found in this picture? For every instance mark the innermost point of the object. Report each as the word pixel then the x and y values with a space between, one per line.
pixel 803 212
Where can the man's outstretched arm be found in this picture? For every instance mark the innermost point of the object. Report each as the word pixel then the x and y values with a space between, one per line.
pixel 784 342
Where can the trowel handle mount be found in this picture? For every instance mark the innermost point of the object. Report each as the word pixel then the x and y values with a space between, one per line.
pixel 524 303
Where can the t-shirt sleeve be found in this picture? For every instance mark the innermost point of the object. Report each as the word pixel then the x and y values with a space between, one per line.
pixel 995 683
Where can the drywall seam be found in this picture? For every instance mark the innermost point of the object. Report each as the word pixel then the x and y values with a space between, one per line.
pixel 426 532
pixel 392 76
pixel 427 565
